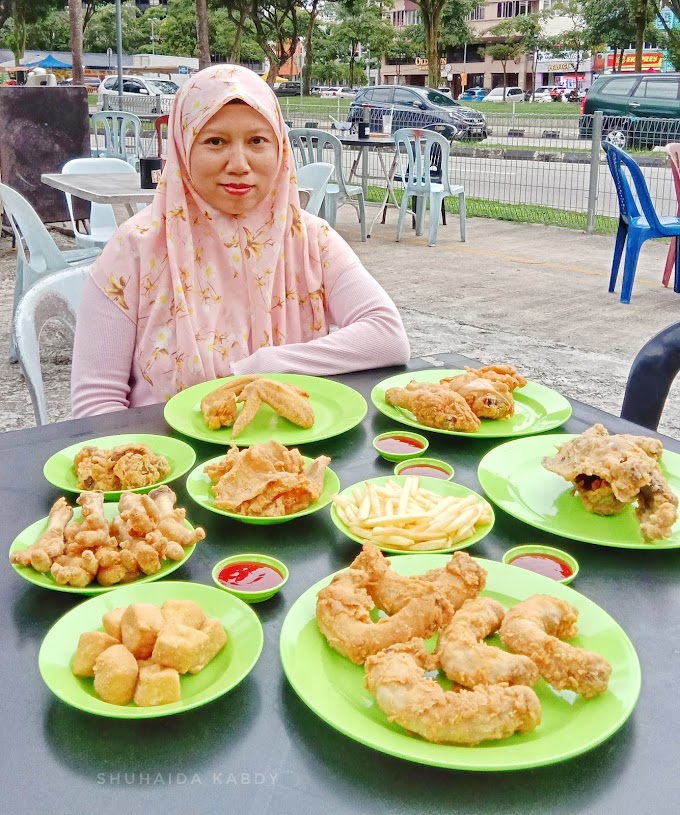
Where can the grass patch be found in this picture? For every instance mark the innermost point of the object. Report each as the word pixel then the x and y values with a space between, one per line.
pixel 570 110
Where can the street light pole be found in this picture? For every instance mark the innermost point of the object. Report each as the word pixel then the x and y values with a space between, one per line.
pixel 153 37
pixel 119 48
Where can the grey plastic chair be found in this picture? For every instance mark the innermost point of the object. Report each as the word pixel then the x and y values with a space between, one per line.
pixel 57 297
pixel 44 256
pixel 315 177
pixel 102 218
pixel 309 146
pixel 117 138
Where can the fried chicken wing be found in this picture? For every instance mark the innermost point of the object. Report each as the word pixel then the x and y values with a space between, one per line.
pixel 536 628
pixel 435 406
pixel 219 406
pixel 487 398
pixel 396 677
pixel 289 402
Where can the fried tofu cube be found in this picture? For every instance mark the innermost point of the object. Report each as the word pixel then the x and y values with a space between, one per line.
pixel 90 645
pixel 111 621
pixel 179 647
pixel 115 675
pixel 185 612
pixel 157 686
pixel 139 627
pixel 217 639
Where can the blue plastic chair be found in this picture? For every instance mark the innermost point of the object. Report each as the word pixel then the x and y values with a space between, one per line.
pixel 116 125
pixel 315 177
pixel 44 256
pixel 636 228
pixel 418 150
pixel 102 218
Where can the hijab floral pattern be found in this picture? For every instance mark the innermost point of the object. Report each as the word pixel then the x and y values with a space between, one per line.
pixel 204 288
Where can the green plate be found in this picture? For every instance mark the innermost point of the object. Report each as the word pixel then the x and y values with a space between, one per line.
pixel 514 478
pixel 224 672
pixel 537 408
pixel 199 488
pixel 29 536
pixel 337 408
pixel 58 469
pixel 434 485
pixel 333 687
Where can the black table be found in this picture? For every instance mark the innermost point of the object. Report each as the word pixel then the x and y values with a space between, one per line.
pixel 259 749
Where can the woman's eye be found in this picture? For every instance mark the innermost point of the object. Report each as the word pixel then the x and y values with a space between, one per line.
pixel 215 141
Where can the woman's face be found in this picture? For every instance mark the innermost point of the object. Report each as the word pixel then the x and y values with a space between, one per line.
pixel 234 158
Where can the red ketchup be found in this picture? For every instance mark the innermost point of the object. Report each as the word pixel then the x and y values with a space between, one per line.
pixel 249 576
pixel 400 444
pixel 547 565
pixel 428 470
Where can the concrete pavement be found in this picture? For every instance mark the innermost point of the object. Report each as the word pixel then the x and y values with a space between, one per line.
pixel 531 295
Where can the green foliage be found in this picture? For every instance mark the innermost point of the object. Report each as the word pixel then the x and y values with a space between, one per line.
pixel 51 33
pixel 100 34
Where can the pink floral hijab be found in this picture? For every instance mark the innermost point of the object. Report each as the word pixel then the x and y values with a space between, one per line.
pixel 204 288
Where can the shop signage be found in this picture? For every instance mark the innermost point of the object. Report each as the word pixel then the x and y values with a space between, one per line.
pixel 423 63
pixel 651 61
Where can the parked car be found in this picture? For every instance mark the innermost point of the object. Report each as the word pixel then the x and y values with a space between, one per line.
pixel 287 89
pixel 316 90
pixel 513 94
pixel 141 86
pixel 639 110
pixel 342 92
pixel 413 106
pixel 473 95
pixel 543 93
pixel 445 89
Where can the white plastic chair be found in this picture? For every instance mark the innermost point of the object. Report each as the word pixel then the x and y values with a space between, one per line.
pixel 116 125
pixel 423 154
pixel 315 177
pixel 308 146
pixel 102 218
pixel 44 256
pixel 57 297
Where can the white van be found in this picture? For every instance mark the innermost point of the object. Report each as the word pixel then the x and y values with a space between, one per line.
pixel 511 95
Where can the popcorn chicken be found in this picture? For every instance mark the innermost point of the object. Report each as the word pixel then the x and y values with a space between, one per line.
pixel 111 622
pixel 185 612
pixel 217 639
pixel 139 627
pixel 179 646
pixel 115 675
pixel 90 645
pixel 157 686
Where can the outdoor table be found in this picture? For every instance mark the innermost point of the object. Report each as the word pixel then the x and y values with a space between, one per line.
pixel 121 190
pixel 259 749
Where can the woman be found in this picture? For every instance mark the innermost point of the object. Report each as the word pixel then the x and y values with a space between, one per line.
pixel 223 273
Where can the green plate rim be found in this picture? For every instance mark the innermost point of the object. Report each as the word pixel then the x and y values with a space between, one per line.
pixel 428 483
pixel 328 701
pixel 149 592
pixel 45 582
pixel 331 484
pixel 106 442
pixel 559 408
pixel 550 441
pixel 184 402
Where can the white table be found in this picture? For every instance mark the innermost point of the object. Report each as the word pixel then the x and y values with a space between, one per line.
pixel 121 190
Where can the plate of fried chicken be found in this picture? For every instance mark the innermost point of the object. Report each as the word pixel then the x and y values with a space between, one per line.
pixel 614 490
pixel 493 401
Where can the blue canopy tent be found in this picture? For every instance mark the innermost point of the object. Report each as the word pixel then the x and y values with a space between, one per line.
pixel 50 62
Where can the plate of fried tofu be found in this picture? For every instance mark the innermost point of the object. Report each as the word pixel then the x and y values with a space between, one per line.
pixel 150 650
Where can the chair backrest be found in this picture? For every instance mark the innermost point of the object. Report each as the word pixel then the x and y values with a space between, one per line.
pixel 43 252
pixel 161 121
pixel 617 160
pixel 118 142
pixel 315 177
pixel 673 150
pixel 309 146
pixel 651 375
pixel 423 155
pixel 56 297
pixel 102 216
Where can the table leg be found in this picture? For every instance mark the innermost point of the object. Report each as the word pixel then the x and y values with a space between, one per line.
pixel 364 172
pixel 389 192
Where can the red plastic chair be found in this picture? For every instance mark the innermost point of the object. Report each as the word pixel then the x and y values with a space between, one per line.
pixel 160 121
pixel 673 150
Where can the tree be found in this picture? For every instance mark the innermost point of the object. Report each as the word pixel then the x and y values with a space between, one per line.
pixel 362 25
pixel 670 35
pixel 75 13
pixel 431 12
pixel 202 34
pixel 503 52
pixel 610 22
pixel 18 14
pixel 101 30
pixel 573 45
pixel 51 33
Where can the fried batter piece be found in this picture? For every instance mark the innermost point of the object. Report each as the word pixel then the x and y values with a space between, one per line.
pixel 50 544
pixel 507 374
pixel 126 467
pixel 288 401
pixel 466 659
pixel 396 677
pixel 610 472
pixel 461 579
pixel 343 616
pixel 435 406
pixel 536 628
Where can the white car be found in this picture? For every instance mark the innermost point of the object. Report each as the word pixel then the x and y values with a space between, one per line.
pixel 511 95
pixel 139 86
pixel 343 93
pixel 543 92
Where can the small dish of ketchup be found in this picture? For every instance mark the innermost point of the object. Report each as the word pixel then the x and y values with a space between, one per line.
pixel 428 467
pixel 252 578
pixel 399 445
pixel 545 560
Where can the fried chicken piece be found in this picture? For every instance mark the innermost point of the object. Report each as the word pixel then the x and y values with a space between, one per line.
pixel 466 659
pixel 488 399
pixel 610 472
pixel 507 374
pixel 461 579
pixel 343 616
pixel 289 402
pixel 41 554
pixel 219 406
pixel 420 705
pixel 94 471
pixel 139 514
pixel 536 628
pixel 435 406
pixel 94 528
pixel 136 465
pixel 171 519
pixel 71 570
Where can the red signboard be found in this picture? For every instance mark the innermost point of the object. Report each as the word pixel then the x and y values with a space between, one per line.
pixel 651 61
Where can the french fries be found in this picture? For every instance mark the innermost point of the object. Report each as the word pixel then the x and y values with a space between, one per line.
pixel 406 516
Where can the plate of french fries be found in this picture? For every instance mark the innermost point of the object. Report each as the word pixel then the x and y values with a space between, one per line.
pixel 402 514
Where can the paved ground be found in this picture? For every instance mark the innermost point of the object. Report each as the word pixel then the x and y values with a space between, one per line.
pixel 531 295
